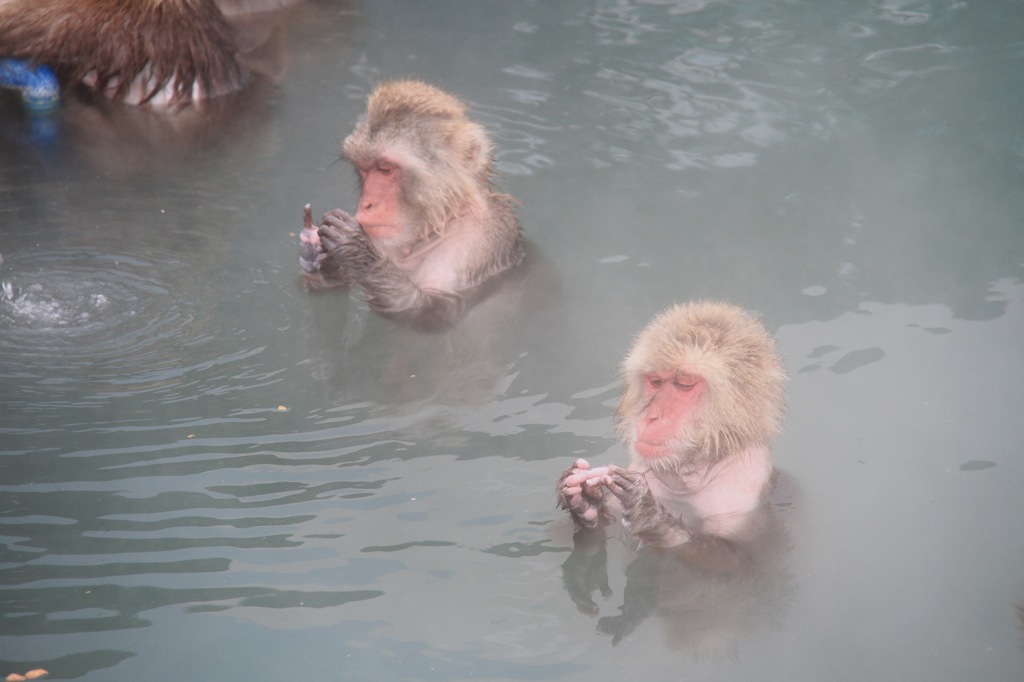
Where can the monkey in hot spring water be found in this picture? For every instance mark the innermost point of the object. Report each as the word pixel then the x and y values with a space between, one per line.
pixel 429 228
pixel 156 53
pixel 701 403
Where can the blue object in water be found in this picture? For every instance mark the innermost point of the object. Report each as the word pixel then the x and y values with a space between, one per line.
pixel 39 88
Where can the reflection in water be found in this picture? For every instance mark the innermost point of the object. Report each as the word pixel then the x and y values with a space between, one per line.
pixel 125 139
pixel 708 599
pixel 407 366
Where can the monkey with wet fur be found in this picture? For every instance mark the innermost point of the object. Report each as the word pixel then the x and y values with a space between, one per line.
pixel 161 53
pixel 702 401
pixel 429 228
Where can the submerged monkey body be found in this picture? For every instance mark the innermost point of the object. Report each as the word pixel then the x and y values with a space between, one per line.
pixel 701 403
pixel 717 500
pixel 428 228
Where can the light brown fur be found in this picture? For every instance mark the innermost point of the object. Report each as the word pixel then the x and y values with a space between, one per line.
pixel 447 155
pixel 428 230
pixel 731 350
pixel 703 395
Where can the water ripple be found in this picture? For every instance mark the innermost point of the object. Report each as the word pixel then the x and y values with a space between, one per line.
pixel 80 327
pixel 85 306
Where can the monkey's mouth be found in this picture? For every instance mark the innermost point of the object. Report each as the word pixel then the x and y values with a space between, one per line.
pixel 381 231
pixel 652 450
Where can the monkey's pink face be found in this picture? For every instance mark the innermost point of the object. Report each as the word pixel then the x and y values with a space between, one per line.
pixel 671 401
pixel 380 206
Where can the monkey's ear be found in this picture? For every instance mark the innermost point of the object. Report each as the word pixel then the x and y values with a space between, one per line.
pixel 474 156
pixel 478 149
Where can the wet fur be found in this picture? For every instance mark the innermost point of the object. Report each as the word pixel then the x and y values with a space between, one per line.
pixel 447 157
pixel 730 349
pixel 723 452
pixel 177 44
pixel 446 192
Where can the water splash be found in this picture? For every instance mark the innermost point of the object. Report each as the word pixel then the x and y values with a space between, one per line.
pixel 107 319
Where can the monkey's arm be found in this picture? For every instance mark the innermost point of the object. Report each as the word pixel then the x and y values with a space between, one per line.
pixel 388 290
pixel 642 515
pixel 579 493
pixel 640 599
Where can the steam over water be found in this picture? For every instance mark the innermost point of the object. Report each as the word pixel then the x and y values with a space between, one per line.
pixel 208 472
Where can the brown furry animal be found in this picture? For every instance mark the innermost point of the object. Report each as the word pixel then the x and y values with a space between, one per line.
pixel 428 229
pixel 703 398
pixel 157 52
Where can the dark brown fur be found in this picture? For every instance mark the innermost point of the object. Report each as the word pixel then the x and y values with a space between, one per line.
pixel 176 43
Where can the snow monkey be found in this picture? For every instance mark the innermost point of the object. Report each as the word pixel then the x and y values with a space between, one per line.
pixel 702 400
pixel 429 228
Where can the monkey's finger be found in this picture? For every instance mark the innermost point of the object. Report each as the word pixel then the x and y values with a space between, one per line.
pixel 611 483
pixel 571 490
pixel 592 488
pixel 617 485
pixel 338 215
pixel 593 492
pixel 589 489
pixel 328 231
pixel 332 239
pixel 577 478
pixel 573 480
pixel 617 492
pixel 585 512
pixel 341 221
pixel 624 475
pixel 576 503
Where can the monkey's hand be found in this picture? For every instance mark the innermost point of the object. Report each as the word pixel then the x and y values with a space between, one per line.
pixel 311 252
pixel 320 269
pixel 346 246
pixel 579 493
pixel 642 514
